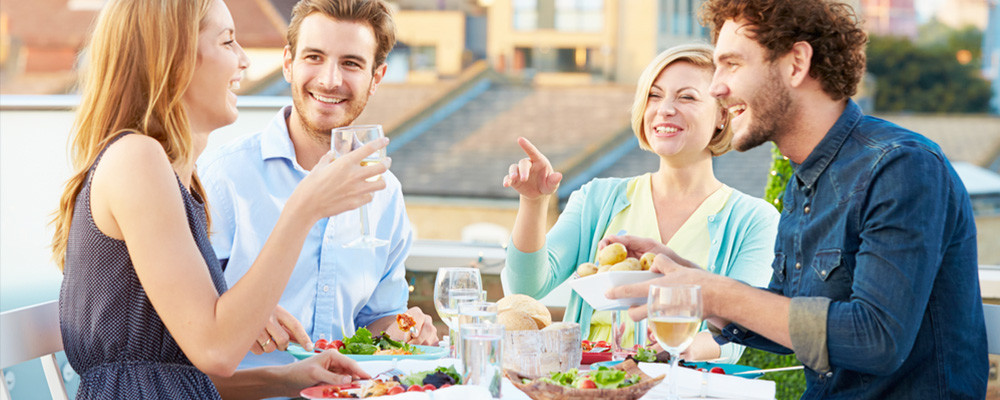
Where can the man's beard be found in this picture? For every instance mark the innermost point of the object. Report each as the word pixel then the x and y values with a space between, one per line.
pixel 322 133
pixel 773 111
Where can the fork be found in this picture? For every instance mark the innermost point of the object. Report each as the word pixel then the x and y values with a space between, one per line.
pixel 390 373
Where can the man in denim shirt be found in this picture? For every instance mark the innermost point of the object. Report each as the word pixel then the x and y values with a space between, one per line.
pixel 875 285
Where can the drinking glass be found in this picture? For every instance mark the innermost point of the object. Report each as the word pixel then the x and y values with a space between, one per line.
pixel 674 312
pixel 621 346
pixel 345 139
pixel 452 287
pixel 482 356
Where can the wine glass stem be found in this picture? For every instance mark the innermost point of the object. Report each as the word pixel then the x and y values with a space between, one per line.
pixel 365 230
pixel 674 359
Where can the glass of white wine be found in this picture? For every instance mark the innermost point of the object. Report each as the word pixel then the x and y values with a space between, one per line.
pixel 345 139
pixel 674 313
pixel 454 286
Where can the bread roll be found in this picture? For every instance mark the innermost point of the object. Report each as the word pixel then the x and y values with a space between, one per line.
pixel 524 303
pixel 514 320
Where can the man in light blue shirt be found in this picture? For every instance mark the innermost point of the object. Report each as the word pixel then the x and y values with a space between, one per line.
pixel 334 61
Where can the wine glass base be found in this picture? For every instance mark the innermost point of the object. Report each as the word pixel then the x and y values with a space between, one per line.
pixel 366 242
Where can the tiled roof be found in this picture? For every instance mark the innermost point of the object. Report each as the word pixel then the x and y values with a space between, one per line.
pixel 468 153
pixel 258 23
pixel 47 23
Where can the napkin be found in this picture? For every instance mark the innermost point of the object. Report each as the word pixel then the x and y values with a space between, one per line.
pixel 692 383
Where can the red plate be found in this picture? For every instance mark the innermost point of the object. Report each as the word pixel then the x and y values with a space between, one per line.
pixel 590 357
pixel 316 392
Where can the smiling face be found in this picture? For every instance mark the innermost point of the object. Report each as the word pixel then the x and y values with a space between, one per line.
pixel 681 116
pixel 751 88
pixel 209 100
pixel 331 74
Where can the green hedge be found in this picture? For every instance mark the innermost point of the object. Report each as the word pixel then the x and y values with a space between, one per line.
pixel 790 384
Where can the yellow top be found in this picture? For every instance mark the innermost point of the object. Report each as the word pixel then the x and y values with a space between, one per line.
pixel 691 241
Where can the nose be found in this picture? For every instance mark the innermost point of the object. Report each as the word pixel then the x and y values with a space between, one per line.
pixel 666 107
pixel 331 77
pixel 718 88
pixel 244 59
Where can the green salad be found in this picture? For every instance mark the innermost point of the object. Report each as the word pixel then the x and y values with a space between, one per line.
pixel 602 378
pixel 365 342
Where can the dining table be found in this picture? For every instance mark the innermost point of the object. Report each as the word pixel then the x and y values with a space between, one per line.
pixel 692 384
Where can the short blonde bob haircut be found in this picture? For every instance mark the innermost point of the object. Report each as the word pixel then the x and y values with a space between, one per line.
pixel 700 55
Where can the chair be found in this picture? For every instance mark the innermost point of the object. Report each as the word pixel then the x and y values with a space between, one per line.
pixel 992 314
pixel 28 333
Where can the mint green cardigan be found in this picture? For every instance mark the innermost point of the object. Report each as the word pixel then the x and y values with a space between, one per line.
pixel 742 235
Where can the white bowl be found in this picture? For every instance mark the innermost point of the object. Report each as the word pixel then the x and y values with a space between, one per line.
pixel 593 287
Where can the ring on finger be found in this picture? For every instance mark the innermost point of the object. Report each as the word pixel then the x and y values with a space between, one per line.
pixel 266 342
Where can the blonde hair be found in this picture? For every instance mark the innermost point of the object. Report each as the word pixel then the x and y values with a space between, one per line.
pixel 700 55
pixel 140 60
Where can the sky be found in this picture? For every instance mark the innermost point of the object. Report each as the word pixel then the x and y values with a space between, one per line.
pixel 926 8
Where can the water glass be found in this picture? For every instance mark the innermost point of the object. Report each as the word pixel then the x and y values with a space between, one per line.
pixel 482 356
pixel 625 334
pixel 452 287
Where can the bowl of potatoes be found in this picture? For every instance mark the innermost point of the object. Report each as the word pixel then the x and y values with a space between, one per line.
pixel 613 268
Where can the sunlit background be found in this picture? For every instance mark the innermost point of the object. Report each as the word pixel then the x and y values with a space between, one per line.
pixel 468 77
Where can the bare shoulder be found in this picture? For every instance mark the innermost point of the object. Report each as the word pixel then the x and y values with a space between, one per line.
pixel 134 168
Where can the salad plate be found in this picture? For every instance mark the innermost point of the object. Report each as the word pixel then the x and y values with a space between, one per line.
pixel 427 353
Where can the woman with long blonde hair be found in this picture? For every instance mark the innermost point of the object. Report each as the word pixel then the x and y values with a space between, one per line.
pixel 144 308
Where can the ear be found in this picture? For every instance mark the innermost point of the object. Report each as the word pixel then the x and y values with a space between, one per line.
pixel 801 61
pixel 286 64
pixel 377 77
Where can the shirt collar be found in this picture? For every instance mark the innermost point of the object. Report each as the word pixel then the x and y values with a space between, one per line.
pixel 276 142
pixel 815 164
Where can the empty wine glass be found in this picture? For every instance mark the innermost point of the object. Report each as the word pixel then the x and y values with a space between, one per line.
pixel 345 139
pixel 674 313
pixel 454 286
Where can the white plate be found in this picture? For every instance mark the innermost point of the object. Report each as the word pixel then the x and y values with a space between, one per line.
pixel 593 287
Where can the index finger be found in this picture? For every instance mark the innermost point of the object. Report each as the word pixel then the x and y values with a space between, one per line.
pixel 362 152
pixel 295 330
pixel 533 153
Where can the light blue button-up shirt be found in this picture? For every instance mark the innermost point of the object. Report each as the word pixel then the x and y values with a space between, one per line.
pixel 333 289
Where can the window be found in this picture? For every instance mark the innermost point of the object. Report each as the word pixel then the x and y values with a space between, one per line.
pixel 525 15
pixel 423 58
pixel 579 15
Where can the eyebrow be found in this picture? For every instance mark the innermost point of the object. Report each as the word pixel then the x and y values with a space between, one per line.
pixel 681 89
pixel 728 56
pixel 230 30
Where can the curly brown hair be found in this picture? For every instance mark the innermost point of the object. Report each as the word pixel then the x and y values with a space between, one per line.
pixel 830 27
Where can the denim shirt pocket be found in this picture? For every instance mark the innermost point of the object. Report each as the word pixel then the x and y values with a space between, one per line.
pixel 825 262
pixel 779 267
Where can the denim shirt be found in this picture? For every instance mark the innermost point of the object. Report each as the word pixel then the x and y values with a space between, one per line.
pixel 876 248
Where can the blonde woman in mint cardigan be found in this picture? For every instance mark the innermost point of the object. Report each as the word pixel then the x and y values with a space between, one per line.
pixel 682 204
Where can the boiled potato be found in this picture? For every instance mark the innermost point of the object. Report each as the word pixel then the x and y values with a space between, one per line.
pixel 603 268
pixel 612 254
pixel 586 269
pixel 647 261
pixel 630 264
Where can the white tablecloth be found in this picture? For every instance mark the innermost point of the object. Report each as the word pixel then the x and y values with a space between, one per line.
pixel 691 383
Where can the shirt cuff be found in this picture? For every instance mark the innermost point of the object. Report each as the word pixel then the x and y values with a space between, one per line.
pixel 807 318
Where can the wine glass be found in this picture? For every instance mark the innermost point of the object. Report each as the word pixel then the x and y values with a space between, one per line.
pixel 674 312
pixel 454 286
pixel 345 139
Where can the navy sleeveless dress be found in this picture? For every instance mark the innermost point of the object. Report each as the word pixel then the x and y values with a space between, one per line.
pixel 112 335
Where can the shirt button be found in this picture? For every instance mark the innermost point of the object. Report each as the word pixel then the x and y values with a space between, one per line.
pixel 798 265
pixel 829 374
pixel 322 336
pixel 823 273
pixel 326 288
pixel 736 331
pixel 806 210
pixel 711 218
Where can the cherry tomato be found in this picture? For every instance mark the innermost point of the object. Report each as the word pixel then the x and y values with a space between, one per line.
pixel 336 345
pixel 321 344
pixel 602 344
pixel 702 370
pixel 396 390
pixel 588 384
pixel 717 370
pixel 415 388
pixel 428 387
pixel 445 385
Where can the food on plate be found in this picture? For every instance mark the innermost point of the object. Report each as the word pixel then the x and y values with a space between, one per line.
pixel 586 269
pixel 377 387
pixel 525 304
pixel 646 262
pixel 623 382
pixel 405 322
pixel 597 345
pixel 628 264
pixel 364 342
pixel 612 254
pixel 438 377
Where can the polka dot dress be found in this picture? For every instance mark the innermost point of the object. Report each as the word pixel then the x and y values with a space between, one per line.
pixel 112 335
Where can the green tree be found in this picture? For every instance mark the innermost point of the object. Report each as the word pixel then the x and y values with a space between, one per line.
pixel 929 77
